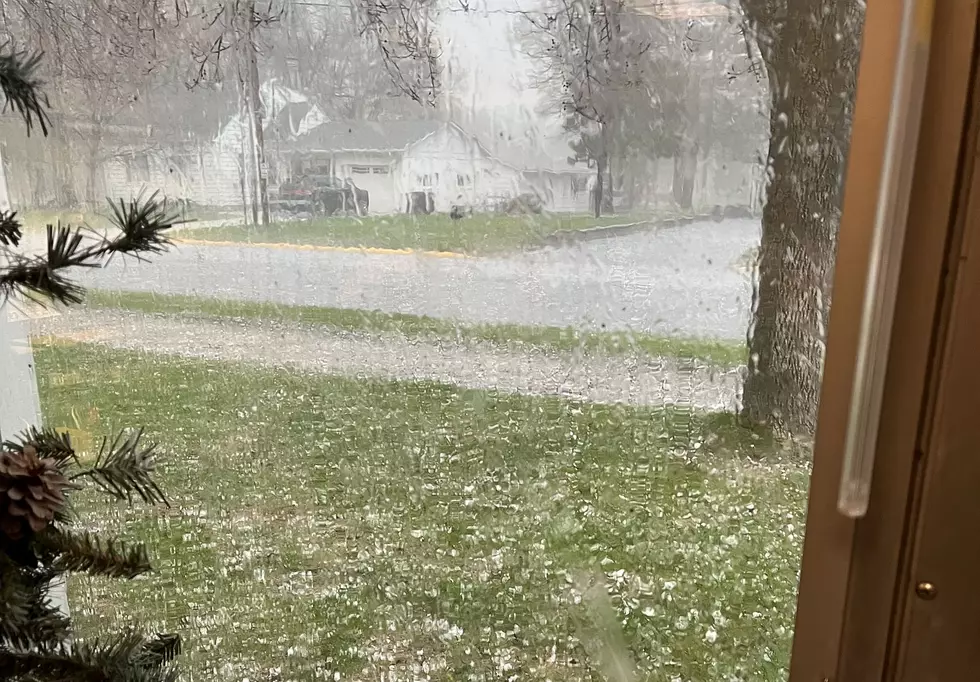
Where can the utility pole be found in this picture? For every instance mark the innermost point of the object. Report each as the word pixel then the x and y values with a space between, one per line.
pixel 249 78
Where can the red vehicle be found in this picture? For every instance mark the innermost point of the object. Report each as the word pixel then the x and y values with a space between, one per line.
pixel 322 195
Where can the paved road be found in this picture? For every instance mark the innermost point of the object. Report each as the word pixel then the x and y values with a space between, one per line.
pixel 679 281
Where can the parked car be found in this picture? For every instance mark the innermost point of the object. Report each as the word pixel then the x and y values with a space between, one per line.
pixel 322 195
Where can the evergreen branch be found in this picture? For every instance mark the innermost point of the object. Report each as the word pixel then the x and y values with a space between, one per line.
pixel 125 467
pixel 10 230
pixel 47 442
pixel 89 553
pixel 22 89
pixel 66 515
pixel 27 617
pixel 120 659
pixel 142 227
pixel 41 274
pixel 163 649
pixel 15 594
pixel 36 632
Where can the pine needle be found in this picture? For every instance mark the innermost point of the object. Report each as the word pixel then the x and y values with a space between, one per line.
pixel 124 468
pixel 22 89
pixel 143 224
pixel 161 650
pixel 48 442
pixel 89 553
pixel 121 657
pixel 10 229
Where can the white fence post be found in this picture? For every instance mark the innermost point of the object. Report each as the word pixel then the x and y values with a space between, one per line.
pixel 19 405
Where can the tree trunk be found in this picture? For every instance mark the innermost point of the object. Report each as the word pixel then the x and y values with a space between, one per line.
pixel 600 168
pixel 611 202
pixel 812 77
pixel 91 172
pixel 685 169
pixel 242 167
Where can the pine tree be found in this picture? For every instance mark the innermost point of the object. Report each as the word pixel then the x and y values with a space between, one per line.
pixel 39 470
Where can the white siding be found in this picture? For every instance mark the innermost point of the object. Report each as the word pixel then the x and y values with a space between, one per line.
pixel 130 175
pixel 727 184
pixel 456 170
pixel 209 177
pixel 219 180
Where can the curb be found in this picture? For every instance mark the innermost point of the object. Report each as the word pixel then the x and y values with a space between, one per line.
pixel 333 249
pixel 559 238
pixel 563 237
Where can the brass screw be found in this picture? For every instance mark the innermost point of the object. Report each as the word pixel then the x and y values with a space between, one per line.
pixel 926 590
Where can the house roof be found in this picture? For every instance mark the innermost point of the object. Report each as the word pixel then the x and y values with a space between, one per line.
pixel 286 123
pixel 276 99
pixel 374 136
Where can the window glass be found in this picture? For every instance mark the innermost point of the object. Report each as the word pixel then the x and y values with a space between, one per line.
pixel 550 421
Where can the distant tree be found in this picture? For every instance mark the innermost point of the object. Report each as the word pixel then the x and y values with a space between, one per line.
pixel 595 66
pixel 405 36
pixel 324 52
pixel 716 93
pixel 109 58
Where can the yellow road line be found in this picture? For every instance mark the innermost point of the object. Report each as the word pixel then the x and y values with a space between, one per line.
pixel 336 249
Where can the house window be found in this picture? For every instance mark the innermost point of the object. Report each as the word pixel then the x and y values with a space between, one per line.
pixel 580 183
pixel 426 180
pixel 463 180
pixel 365 170
pixel 138 168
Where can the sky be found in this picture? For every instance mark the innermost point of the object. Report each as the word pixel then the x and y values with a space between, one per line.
pixel 496 75
pixel 492 75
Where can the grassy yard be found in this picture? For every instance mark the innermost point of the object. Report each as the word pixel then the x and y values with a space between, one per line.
pixel 719 353
pixel 480 233
pixel 325 528
pixel 38 219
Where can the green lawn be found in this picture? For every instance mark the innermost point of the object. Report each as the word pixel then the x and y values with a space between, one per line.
pixel 723 354
pixel 410 531
pixel 480 233
pixel 39 219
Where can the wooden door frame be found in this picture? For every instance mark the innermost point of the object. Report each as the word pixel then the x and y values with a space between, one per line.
pixel 851 576
pixel 930 636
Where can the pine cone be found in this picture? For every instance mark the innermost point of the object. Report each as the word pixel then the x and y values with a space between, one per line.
pixel 32 490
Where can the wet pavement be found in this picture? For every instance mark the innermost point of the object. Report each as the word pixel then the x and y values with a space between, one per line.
pixel 678 281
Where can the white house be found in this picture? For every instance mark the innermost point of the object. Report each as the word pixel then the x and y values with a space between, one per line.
pixel 398 160
pixel 395 161
pixel 214 173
